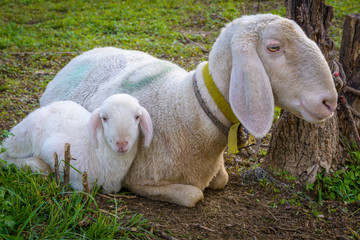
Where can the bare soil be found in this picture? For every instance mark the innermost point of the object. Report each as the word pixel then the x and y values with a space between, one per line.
pixel 246 212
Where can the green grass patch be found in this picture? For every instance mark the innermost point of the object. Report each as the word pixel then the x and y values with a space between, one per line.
pixel 342 8
pixel 343 184
pixel 33 206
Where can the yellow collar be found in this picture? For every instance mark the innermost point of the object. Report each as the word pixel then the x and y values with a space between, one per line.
pixel 218 98
pixel 246 138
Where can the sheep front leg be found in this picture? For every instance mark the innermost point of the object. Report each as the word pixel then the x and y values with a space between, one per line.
pixel 184 195
pixel 220 179
pixel 35 164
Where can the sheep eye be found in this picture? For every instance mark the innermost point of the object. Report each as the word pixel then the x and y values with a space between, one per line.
pixel 273 48
pixel 137 117
pixel 104 119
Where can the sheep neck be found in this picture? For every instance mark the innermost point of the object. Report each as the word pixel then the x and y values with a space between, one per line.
pixel 220 60
pixel 217 96
pixel 109 159
pixel 233 144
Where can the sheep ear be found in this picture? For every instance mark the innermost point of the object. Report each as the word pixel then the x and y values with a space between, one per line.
pixel 146 126
pixel 250 92
pixel 94 123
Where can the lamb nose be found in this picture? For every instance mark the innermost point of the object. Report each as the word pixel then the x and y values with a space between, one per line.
pixel 122 143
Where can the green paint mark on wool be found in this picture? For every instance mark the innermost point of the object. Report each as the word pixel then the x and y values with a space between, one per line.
pixel 145 75
pixel 70 81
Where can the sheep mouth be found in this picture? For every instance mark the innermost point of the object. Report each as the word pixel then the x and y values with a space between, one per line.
pixel 122 151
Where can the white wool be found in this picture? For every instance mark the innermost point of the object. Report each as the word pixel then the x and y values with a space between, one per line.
pixel 186 154
pixel 92 140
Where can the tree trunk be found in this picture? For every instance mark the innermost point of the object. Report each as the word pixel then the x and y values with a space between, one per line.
pixel 301 148
pixel 350 53
pixel 350 46
pixel 350 59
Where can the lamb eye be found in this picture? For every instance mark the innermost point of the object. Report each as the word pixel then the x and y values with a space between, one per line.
pixel 137 117
pixel 273 48
pixel 104 119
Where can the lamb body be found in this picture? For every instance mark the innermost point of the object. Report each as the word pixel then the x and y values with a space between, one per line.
pixel 103 143
pixel 256 62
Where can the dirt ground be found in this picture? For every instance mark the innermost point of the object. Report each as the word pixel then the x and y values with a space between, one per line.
pixel 246 212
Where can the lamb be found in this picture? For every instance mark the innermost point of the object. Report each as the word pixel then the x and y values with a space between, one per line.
pixel 257 62
pixel 103 143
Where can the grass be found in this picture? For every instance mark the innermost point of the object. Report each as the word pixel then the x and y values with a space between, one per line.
pixel 37 38
pixel 34 207
pixel 342 8
pixel 343 184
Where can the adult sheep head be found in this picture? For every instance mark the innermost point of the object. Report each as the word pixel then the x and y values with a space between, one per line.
pixel 273 62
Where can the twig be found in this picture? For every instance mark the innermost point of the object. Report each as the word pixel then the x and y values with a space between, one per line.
pixel 56 169
pixel 276 219
pixel 339 82
pixel 349 114
pixel 121 209
pixel 338 68
pixel 351 90
pixel 67 159
pixel 163 234
pixel 166 236
pixel 191 41
pixel 205 228
pixel 37 73
pixel 289 229
pixel 105 196
pixel 354 112
pixel 85 183
pixel 220 17
pixel 109 213
pixel 121 196
pixel 242 9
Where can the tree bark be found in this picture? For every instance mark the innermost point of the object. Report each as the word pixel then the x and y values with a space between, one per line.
pixel 350 54
pixel 301 148
pixel 350 60
pixel 314 17
pixel 350 46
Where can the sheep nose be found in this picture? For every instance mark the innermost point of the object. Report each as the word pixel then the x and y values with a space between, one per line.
pixel 330 105
pixel 319 106
pixel 329 100
pixel 122 144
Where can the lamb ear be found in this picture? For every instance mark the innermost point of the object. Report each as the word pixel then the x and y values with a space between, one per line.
pixel 94 123
pixel 146 126
pixel 250 92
